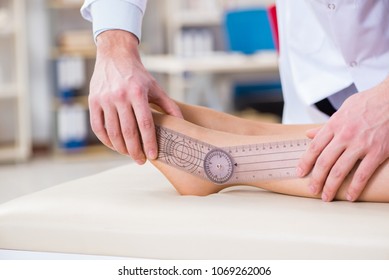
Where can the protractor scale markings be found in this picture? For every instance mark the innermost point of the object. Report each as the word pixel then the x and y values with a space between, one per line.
pixel 238 164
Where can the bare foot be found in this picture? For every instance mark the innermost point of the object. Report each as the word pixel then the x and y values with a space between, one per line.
pixel 185 148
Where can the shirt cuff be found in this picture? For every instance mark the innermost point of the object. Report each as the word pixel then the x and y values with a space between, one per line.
pixel 121 15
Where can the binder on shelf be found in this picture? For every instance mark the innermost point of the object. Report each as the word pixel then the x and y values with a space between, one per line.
pixel 72 117
pixel 248 30
pixel 194 42
pixel 72 126
pixel 70 76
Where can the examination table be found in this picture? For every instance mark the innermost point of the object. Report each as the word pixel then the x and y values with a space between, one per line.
pixel 133 211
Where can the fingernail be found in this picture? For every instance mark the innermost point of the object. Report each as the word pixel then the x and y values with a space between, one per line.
pixel 324 197
pixel 349 197
pixel 312 188
pixel 152 154
pixel 299 172
pixel 140 161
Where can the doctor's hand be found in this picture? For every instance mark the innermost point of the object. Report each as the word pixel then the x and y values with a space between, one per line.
pixel 357 135
pixel 120 92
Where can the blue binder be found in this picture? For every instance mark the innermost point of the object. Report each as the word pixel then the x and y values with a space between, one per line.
pixel 248 30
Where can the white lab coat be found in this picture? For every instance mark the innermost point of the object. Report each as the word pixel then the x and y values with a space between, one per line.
pixel 327 45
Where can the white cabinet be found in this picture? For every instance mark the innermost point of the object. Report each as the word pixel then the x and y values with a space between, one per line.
pixel 15 140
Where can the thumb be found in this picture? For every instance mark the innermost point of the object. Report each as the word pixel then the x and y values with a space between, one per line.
pixel 167 104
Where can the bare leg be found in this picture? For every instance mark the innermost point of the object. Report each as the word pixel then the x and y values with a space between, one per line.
pixel 188 184
pixel 215 120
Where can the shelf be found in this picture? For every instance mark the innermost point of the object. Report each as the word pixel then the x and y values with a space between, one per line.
pixel 13 152
pixel 87 52
pixel 219 63
pixel 82 100
pixel 8 152
pixel 197 18
pixel 58 4
pixel 8 91
pixel 5 33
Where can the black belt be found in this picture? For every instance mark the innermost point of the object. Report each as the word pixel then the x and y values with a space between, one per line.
pixel 326 107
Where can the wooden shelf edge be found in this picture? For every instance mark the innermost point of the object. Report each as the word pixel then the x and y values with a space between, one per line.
pixel 82 100
pixel 57 4
pixel 4 34
pixel 10 153
pixel 87 52
pixel 197 18
pixel 9 91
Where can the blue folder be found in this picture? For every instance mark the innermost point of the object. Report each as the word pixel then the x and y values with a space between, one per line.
pixel 248 30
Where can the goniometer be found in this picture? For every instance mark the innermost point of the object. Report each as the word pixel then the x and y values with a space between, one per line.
pixel 225 165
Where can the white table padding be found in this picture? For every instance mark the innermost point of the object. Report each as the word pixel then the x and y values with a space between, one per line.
pixel 133 211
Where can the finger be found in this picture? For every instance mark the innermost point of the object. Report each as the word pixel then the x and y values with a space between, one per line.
pixel 146 127
pixel 112 125
pixel 365 170
pixel 338 174
pixel 315 148
pixel 323 165
pixel 130 134
pixel 311 133
pixel 97 124
pixel 167 104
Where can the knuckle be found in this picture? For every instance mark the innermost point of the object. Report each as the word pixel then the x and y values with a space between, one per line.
pixel 93 101
pixel 379 153
pixel 120 95
pixel 152 83
pixel 337 173
pixel 113 133
pixel 136 154
pixel 322 163
pixel 333 125
pixel 97 126
pixel 137 93
pixel 105 99
pixel 314 148
pixel 129 133
pixel 95 121
pixel 360 178
pixel 146 123
pixel 347 135
pixel 360 149
pixel 316 182
pixel 97 129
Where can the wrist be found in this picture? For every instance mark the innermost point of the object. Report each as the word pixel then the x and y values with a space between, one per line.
pixel 114 40
pixel 383 88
